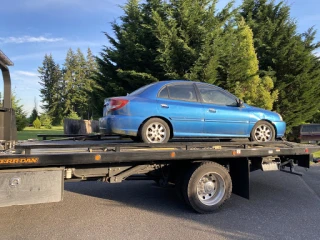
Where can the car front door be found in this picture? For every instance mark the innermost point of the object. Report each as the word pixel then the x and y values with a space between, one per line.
pixel 179 103
pixel 222 115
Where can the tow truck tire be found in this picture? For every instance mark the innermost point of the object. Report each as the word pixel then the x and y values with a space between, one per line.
pixel 206 187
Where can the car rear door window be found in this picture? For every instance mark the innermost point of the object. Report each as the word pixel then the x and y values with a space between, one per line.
pixel 216 96
pixel 163 93
pixel 183 92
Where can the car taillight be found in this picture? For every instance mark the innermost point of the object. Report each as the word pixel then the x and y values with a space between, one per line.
pixel 117 103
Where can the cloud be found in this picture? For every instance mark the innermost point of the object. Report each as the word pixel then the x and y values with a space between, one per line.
pixel 110 6
pixel 25 79
pixel 26 73
pixel 29 56
pixel 29 39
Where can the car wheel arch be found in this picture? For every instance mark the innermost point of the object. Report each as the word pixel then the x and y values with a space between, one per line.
pixel 266 120
pixel 163 118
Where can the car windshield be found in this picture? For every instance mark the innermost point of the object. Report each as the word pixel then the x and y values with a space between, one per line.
pixel 140 90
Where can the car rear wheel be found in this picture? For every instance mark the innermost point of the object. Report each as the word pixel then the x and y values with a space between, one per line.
pixel 155 130
pixel 135 138
pixel 263 131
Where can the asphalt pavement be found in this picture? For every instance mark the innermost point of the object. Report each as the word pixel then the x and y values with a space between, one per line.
pixel 282 206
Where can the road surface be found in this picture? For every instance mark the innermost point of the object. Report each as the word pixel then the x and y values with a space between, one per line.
pixel 282 206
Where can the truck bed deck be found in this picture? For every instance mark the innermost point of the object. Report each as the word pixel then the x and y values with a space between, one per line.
pixel 94 152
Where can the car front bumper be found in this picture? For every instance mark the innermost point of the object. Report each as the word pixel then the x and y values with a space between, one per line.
pixel 280 128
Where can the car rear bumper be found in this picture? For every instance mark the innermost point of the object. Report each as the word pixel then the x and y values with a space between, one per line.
pixel 118 124
pixel 104 125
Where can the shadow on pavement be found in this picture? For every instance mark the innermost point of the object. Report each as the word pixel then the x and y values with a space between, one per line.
pixel 281 206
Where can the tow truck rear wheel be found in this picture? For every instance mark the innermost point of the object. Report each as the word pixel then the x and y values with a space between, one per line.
pixel 206 186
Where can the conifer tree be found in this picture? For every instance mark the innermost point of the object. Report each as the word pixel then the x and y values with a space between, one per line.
pixel 190 36
pixel 242 70
pixel 286 56
pixel 89 84
pixel 68 85
pixel 21 116
pixel 50 77
pixel 130 60
pixel 80 97
pixel 34 113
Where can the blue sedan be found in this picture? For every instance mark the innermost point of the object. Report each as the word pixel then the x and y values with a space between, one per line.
pixel 163 110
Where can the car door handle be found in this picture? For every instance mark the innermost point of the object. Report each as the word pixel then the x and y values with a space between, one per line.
pixel 164 106
pixel 212 110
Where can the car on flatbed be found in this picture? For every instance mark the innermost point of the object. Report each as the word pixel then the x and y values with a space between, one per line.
pixel 163 110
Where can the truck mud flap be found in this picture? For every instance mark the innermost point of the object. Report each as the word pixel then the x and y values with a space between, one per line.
pixel 240 175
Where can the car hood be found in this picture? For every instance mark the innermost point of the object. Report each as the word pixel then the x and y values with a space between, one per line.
pixel 260 113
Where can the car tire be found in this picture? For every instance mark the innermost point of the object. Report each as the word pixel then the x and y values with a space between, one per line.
pixel 206 187
pixel 155 130
pixel 263 131
pixel 135 138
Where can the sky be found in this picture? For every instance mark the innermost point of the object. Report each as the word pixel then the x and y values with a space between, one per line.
pixel 32 28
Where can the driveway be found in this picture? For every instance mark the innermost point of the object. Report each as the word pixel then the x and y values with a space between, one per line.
pixel 282 206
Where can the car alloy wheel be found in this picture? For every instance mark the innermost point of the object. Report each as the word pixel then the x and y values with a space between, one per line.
pixel 156 133
pixel 155 130
pixel 263 132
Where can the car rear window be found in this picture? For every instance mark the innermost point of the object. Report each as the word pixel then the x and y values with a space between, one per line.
pixel 140 90
pixel 164 93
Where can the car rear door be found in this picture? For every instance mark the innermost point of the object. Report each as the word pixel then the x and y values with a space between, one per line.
pixel 179 103
pixel 222 115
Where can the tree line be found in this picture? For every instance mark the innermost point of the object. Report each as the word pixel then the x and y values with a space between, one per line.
pixel 66 91
pixel 253 51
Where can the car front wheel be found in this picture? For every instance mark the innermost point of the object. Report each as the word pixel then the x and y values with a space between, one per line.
pixel 263 131
pixel 155 130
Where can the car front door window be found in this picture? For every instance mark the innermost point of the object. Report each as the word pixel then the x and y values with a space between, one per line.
pixel 216 96
pixel 222 114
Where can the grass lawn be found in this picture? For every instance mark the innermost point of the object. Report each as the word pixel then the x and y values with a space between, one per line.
pixel 31 132
pixel 316 154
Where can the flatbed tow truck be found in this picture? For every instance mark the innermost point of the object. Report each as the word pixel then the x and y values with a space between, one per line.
pixel 204 171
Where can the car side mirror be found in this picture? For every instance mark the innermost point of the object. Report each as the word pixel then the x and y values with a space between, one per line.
pixel 240 103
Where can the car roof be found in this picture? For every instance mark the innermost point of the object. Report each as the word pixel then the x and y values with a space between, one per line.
pixel 155 87
pixel 165 82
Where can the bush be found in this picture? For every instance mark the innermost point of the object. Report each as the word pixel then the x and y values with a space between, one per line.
pixel 21 116
pixel 37 123
pixel 46 121
pixel 21 121
pixel 73 115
